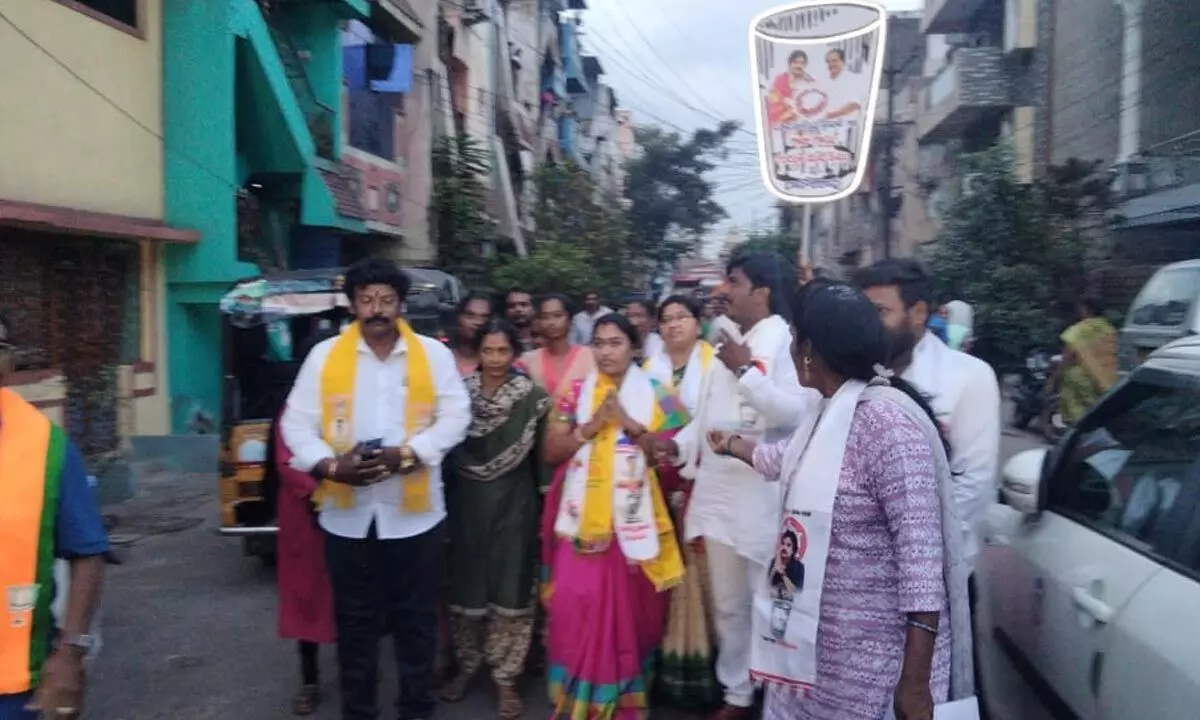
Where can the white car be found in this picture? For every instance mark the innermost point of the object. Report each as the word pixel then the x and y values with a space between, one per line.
pixel 1089 585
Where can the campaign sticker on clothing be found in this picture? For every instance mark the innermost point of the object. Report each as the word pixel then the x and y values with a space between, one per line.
pixel 22 599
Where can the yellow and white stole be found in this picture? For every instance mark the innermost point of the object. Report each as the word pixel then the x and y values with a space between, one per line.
pixel 337 413
pixel 692 388
pixel 609 482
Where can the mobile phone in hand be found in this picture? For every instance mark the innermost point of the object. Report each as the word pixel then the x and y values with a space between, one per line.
pixel 371 448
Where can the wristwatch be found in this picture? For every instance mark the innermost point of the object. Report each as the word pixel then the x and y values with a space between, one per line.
pixel 408 459
pixel 743 370
pixel 82 645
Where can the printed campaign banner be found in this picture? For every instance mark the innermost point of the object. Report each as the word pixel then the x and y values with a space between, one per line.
pixel 817 67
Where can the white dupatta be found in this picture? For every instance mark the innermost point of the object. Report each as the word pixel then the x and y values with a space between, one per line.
pixel 633 508
pixel 786 619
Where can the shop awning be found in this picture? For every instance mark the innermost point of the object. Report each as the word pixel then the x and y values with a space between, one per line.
pixel 51 218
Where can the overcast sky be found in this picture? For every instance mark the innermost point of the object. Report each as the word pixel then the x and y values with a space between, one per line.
pixel 685 63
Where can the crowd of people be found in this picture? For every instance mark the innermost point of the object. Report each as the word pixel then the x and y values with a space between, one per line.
pixel 667 502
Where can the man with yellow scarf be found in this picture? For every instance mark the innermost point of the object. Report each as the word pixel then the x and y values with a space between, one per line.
pixel 373 412
pixel 46 512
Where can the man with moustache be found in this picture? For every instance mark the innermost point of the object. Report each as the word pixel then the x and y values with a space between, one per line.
pixel 373 412
pixel 518 310
pixel 962 389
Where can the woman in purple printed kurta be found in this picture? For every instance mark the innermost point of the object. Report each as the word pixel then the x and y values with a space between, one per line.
pixel 886 639
pixel 885 560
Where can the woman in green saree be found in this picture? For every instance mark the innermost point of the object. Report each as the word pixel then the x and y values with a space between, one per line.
pixel 492 505
pixel 1089 361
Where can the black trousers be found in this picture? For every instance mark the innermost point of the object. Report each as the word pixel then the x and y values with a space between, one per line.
pixel 394 585
pixel 973 600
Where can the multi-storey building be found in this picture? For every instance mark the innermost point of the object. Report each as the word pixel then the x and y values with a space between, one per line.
pixel 252 96
pixel 82 220
pixel 987 67
pixel 1129 97
pixel 850 232
pixel 380 124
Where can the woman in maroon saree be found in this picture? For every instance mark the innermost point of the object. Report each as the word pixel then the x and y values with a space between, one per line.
pixel 305 595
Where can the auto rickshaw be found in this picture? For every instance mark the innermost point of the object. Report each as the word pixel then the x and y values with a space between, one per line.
pixel 269 323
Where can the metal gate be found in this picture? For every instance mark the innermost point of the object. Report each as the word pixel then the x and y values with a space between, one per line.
pixel 69 303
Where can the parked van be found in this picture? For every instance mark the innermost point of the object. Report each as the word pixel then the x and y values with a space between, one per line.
pixel 1166 309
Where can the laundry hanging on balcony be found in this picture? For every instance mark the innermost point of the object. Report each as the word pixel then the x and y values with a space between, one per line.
pixel 382 68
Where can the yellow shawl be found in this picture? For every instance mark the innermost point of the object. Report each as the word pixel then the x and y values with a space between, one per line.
pixel 337 413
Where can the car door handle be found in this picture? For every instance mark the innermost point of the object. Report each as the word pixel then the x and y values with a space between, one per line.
pixel 1099 610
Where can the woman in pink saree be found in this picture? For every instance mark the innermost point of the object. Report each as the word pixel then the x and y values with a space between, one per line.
pixel 609 547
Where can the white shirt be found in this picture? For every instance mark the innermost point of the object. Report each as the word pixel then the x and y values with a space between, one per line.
pixel 731 503
pixel 380 393
pixel 583 323
pixel 965 396
pixel 843 90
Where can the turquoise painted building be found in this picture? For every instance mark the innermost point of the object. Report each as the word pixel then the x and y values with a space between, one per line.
pixel 252 101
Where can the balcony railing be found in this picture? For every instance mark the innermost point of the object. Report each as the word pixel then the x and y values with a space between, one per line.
pixel 975 84
pixel 1150 174
pixel 319 116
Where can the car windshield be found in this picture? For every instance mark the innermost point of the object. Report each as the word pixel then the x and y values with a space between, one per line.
pixel 1167 298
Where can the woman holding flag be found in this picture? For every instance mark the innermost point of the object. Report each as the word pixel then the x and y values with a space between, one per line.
pixel 685 675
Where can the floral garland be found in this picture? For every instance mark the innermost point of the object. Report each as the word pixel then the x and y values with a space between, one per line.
pixel 807 107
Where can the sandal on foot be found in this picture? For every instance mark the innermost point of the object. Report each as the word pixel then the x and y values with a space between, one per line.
pixel 308 697
pixel 511 706
pixel 455 690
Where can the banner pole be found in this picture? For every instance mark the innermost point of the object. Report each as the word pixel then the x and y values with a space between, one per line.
pixel 804 258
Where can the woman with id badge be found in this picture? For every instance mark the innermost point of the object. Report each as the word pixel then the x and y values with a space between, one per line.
pixel 608 542
pixel 863 614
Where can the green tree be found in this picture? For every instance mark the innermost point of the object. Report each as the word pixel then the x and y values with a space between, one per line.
pixel 1017 252
pixel 581 241
pixel 671 199
pixel 786 246
pixel 551 267
pixel 465 231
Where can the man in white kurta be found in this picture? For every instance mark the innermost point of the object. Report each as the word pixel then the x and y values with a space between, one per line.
pixel 756 393
pixel 384 553
pixel 961 389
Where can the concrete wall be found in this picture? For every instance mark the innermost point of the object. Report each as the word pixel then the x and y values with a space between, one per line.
pixel 1087 71
pixel 142 392
pixel 1170 71
pixel 61 143
pixel 1085 96
pixel 421 106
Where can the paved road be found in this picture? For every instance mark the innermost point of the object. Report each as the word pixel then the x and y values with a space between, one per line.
pixel 189 624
